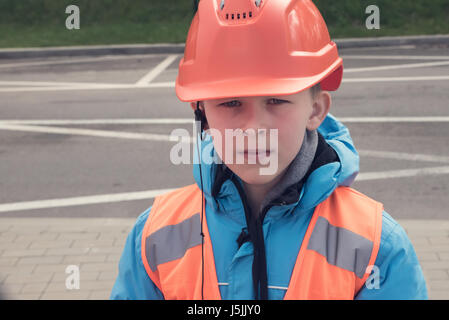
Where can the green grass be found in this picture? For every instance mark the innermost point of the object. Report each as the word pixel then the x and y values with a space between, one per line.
pixel 40 23
pixel 124 33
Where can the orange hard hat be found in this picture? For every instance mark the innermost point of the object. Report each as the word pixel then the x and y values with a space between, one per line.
pixel 238 48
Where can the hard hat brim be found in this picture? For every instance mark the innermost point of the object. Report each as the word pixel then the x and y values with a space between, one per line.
pixel 330 80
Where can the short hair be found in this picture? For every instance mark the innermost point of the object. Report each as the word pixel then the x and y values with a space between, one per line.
pixel 315 90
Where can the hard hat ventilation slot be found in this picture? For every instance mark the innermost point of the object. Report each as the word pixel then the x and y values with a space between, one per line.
pixel 250 14
pixel 239 10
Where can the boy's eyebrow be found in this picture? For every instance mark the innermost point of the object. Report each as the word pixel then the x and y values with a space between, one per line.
pixel 263 98
pixel 226 99
pixel 278 97
pixel 232 98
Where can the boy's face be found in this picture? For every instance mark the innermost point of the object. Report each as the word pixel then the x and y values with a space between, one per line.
pixel 291 115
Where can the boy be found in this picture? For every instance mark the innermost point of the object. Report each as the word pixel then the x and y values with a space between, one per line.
pixel 299 232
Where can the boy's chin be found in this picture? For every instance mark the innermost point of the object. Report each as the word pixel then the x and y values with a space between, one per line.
pixel 253 176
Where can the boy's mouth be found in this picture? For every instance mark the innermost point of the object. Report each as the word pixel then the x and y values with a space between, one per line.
pixel 263 153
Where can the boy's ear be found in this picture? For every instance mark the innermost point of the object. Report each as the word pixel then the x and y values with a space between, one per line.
pixel 320 109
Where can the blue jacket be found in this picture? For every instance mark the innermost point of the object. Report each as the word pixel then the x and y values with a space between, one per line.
pixel 401 276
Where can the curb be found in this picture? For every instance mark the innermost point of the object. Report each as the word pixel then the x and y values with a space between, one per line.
pixel 392 41
pixel 167 48
pixel 133 49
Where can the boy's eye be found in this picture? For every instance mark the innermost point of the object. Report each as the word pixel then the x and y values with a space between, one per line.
pixel 235 103
pixel 276 101
pixel 230 104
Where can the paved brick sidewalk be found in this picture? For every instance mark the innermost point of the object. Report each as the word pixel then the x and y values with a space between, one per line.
pixel 35 252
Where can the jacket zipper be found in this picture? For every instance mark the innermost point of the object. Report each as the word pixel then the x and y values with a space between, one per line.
pixel 254 227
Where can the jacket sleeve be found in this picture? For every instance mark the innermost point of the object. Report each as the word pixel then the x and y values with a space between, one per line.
pixel 397 274
pixel 133 282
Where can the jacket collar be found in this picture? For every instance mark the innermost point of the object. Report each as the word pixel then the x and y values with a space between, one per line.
pixel 289 194
pixel 335 163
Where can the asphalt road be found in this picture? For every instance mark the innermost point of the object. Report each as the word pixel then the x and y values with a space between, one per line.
pixel 394 100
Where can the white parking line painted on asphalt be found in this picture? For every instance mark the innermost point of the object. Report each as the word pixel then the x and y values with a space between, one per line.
pixel 87 132
pixel 75 201
pixel 101 121
pixel 398 66
pixel 377 57
pixel 393 119
pixel 403 156
pixel 80 60
pixel 405 173
pixel 106 86
pixel 51 83
pixel 395 79
pixel 172 84
pixel 91 86
pixel 157 70
pixel 170 121
pixel 169 84
pixel 150 194
pixel 31 126
pixel 411 46
pixel 71 88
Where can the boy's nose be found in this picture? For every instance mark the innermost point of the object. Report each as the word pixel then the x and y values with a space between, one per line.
pixel 256 118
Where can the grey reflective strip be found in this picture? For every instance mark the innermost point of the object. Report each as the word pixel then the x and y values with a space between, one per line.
pixel 171 242
pixel 341 247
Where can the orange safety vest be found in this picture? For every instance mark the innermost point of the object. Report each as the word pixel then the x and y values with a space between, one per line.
pixel 335 259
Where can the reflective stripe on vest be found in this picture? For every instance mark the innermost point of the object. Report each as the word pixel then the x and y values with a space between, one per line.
pixel 172 242
pixel 340 245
